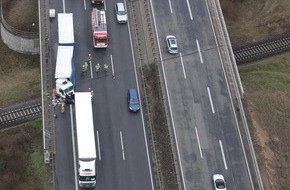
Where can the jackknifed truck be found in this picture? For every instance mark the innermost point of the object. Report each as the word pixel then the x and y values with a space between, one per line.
pixel 64 68
pixel 85 140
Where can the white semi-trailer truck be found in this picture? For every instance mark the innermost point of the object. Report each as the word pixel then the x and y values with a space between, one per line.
pixel 85 140
pixel 64 69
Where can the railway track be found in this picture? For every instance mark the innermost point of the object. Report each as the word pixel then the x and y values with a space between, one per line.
pixel 31 110
pixel 262 50
pixel 20 113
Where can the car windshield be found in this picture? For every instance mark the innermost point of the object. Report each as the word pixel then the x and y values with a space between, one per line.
pixel 173 48
pixel 122 13
pixel 134 101
pixel 220 184
pixel 172 41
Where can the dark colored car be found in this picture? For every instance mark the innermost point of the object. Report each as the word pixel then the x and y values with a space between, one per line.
pixel 133 100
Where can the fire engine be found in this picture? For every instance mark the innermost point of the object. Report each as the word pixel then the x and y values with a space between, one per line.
pixel 97 1
pixel 99 27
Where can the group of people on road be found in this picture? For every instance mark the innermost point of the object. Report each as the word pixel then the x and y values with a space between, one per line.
pixel 55 100
pixel 85 66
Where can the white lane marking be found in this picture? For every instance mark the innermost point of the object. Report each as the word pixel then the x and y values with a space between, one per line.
pixel 99 146
pixel 184 74
pixel 237 125
pixel 91 68
pixel 223 154
pixel 210 99
pixel 170 7
pixel 189 9
pixel 105 6
pixel 63 3
pixel 141 110
pixel 167 93
pixel 198 143
pixel 199 52
pixel 85 5
pixel 122 145
pixel 74 147
pixel 112 63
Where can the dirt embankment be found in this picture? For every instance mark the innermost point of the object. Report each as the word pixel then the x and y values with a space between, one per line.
pixel 266 84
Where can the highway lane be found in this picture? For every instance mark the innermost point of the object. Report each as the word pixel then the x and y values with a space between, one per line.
pixel 115 127
pixel 201 108
pixel 64 161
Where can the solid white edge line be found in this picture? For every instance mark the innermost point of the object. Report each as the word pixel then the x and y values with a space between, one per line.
pixel 74 148
pixel 223 154
pixel 170 7
pixel 99 146
pixel 167 93
pixel 141 111
pixel 189 9
pixel 210 99
pixel 41 71
pixel 122 145
pixel 184 74
pixel 112 63
pixel 199 52
pixel 198 143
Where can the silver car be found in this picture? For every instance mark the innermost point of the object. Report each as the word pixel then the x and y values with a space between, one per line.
pixel 219 182
pixel 121 13
pixel 171 43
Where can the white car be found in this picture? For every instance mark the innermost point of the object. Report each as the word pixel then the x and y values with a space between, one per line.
pixel 121 13
pixel 219 182
pixel 171 43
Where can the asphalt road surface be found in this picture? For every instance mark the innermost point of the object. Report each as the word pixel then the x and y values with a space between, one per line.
pixel 123 161
pixel 206 132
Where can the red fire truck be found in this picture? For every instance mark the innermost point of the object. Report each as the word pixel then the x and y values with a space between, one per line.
pixel 99 27
pixel 97 1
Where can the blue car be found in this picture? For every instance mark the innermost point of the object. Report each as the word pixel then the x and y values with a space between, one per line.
pixel 133 100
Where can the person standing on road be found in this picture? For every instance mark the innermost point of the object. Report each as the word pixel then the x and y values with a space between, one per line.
pixel 89 58
pixel 106 66
pixel 98 67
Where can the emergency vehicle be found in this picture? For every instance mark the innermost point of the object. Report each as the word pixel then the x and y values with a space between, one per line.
pixel 99 28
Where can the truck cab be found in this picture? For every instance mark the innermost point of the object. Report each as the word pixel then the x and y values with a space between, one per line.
pixel 64 89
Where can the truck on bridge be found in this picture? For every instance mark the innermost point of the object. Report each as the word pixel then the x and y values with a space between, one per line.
pixel 85 140
pixel 99 28
pixel 64 69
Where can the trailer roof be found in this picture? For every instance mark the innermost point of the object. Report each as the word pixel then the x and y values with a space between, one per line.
pixel 65 29
pixel 63 68
pixel 85 125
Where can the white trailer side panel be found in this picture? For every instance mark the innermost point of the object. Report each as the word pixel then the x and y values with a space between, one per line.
pixel 63 68
pixel 85 126
pixel 65 29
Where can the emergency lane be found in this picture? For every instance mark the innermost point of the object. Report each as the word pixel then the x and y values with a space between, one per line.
pixel 110 107
pixel 202 114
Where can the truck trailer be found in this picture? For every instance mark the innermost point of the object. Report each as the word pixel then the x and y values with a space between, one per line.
pixel 64 69
pixel 65 72
pixel 85 140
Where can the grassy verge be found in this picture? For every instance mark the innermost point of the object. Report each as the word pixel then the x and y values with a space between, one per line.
pixel 254 20
pixel 22 15
pixel 21 158
pixel 267 100
pixel 19 76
